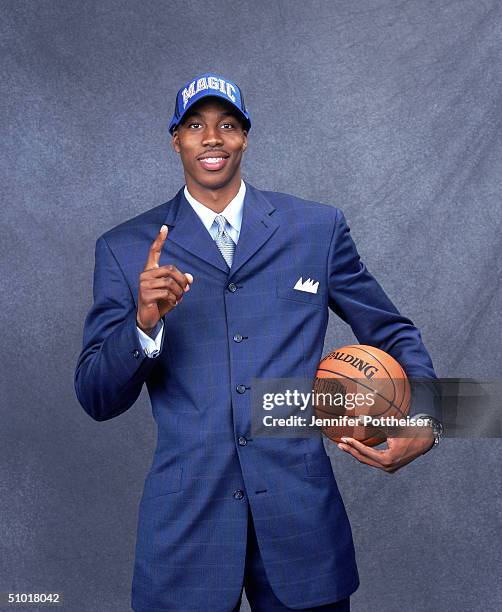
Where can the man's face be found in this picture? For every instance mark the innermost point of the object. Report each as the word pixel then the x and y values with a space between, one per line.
pixel 211 142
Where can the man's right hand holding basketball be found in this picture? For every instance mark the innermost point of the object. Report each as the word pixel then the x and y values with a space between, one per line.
pixel 161 288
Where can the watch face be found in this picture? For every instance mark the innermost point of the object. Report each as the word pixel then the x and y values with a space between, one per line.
pixel 438 427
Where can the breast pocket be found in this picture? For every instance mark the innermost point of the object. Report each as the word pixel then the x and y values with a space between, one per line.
pixel 306 288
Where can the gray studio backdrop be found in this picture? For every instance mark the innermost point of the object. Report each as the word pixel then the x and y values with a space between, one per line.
pixel 388 109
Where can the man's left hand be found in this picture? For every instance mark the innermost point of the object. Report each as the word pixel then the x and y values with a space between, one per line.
pixel 398 453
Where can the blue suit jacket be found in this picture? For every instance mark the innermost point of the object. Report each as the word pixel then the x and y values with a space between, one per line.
pixel 191 537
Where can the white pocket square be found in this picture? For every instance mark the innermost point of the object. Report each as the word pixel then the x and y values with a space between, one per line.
pixel 308 286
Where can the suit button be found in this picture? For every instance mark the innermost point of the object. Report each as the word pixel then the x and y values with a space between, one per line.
pixel 238 494
pixel 241 388
pixel 237 338
pixel 136 354
pixel 242 441
pixel 232 287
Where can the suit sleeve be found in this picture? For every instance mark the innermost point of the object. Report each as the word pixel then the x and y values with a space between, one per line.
pixel 356 297
pixel 112 365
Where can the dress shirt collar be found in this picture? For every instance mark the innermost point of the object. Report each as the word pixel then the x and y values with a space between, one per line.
pixel 232 212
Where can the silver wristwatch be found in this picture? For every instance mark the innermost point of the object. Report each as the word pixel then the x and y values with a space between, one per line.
pixel 437 427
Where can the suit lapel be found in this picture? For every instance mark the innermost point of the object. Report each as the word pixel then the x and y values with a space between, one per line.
pixel 188 231
pixel 257 227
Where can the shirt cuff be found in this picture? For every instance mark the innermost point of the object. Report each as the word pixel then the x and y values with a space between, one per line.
pixel 151 346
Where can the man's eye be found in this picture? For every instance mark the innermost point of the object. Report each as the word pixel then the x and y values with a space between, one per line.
pixel 227 125
pixel 194 125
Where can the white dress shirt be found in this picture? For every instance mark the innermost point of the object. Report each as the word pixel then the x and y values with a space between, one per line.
pixel 233 214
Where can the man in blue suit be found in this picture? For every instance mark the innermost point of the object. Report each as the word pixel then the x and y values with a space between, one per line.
pixel 218 304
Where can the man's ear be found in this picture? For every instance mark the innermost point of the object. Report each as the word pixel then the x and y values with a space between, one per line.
pixel 176 141
pixel 245 143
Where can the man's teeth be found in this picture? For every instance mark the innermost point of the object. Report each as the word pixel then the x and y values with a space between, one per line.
pixel 212 160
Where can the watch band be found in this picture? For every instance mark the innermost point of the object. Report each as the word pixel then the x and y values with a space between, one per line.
pixel 437 427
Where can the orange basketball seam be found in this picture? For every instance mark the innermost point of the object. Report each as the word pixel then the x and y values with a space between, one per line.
pixel 366 387
pixel 359 346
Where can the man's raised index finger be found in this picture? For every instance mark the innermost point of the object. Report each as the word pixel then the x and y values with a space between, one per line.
pixel 156 248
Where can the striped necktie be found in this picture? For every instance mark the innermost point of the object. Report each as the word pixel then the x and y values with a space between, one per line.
pixel 223 241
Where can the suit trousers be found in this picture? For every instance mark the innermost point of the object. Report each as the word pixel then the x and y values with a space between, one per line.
pixel 259 593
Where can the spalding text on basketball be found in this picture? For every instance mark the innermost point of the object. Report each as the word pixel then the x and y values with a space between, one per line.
pixel 363 366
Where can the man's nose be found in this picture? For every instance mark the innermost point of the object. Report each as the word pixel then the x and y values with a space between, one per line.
pixel 211 136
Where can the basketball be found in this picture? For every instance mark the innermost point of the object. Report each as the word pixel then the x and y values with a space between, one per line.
pixel 358 381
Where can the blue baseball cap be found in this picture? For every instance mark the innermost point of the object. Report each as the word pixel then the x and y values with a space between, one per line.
pixel 208 84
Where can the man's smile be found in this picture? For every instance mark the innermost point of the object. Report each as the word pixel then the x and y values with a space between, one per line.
pixel 213 162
